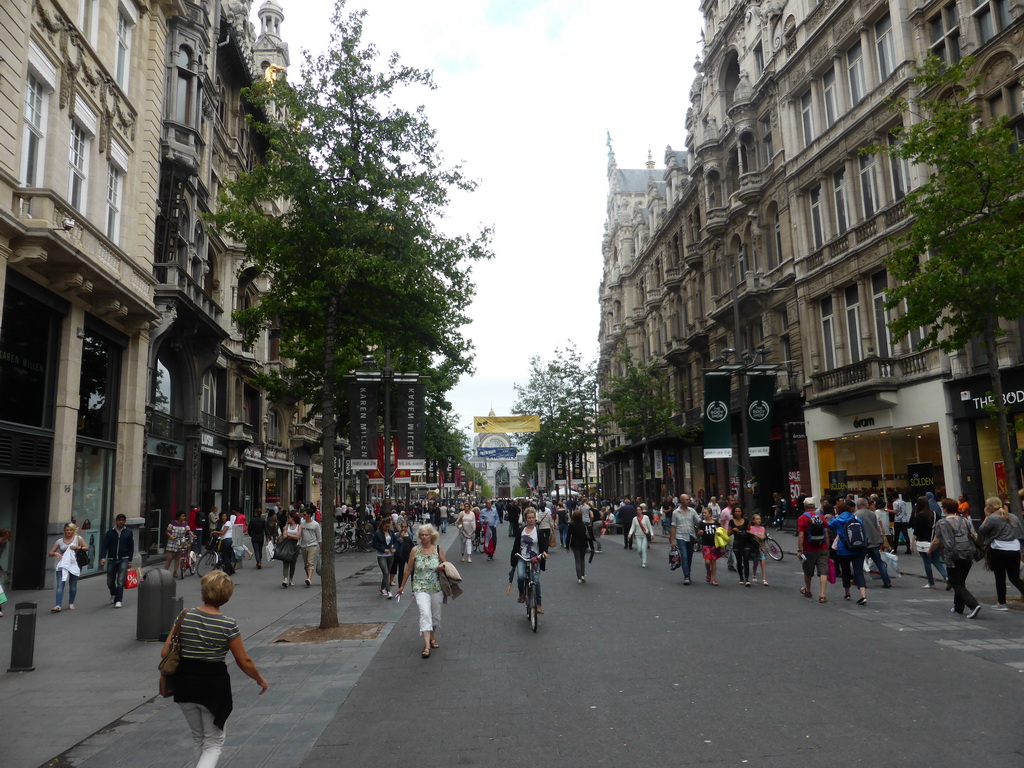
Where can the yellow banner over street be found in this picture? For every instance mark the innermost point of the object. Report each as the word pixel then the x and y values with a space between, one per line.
pixel 501 424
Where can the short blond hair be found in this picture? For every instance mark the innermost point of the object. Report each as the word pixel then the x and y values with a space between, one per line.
pixel 428 528
pixel 216 588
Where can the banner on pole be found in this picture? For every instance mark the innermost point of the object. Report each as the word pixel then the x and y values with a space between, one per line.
pixel 362 410
pixel 561 470
pixel 717 418
pixel 542 475
pixel 760 392
pixel 659 464
pixel 410 435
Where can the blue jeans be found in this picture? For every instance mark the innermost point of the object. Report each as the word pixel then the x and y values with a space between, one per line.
pixel 521 578
pixel 876 558
pixel 935 558
pixel 563 530
pixel 685 548
pixel 444 524
pixel 117 570
pixel 72 588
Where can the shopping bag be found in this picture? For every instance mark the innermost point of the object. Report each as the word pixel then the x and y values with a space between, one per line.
pixel 831 571
pixel 131 579
pixel 3 595
pixel 268 551
pixel 892 564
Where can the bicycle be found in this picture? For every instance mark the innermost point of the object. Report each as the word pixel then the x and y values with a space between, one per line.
pixel 344 534
pixel 532 569
pixel 187 561
pixel 772 548
pixel 208 561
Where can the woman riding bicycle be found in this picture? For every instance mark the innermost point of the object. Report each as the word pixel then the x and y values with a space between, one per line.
pixel 532 545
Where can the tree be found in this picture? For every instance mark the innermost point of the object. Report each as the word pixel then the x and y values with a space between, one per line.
pixel 639 403
pixel 342 220
pixel 959 269
pixel 564 394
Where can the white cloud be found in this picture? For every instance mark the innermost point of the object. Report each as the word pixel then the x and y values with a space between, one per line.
pixel 526 92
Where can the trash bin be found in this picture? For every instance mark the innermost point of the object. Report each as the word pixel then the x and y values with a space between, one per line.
pixel 157 604
pixel 24 639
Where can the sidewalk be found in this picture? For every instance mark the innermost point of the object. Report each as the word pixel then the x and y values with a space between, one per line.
pixel 91 700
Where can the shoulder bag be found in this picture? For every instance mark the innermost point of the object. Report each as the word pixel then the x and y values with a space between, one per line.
pixel 81 555
pixel 169 664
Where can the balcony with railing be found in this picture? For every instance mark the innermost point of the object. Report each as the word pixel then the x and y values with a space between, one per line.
pixel 877 374
pixel 213 423
pixel 165 426
pixel 175 282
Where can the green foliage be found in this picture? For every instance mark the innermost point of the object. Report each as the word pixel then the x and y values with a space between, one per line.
pixel 563 392
pixel 960 266
pixel 640 404
pixel 355 189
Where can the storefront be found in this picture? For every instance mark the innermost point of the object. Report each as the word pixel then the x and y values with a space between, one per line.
pixel 875 448
pixel 212 455
pixel 252 495
pixel 278 475
pixel 982 472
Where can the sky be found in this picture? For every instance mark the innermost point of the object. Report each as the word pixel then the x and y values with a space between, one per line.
pixel 527 93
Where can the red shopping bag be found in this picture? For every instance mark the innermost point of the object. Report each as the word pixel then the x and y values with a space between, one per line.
pixel 131 579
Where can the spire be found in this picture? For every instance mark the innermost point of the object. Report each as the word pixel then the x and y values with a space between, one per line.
pixel 650 160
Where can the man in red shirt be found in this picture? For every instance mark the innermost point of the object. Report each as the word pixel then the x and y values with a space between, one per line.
pixel 812 548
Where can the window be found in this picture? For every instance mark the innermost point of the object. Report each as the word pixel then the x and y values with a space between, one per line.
pixel 839 191
pixel 122 57
pixel 885 46
pixel 945 34
pixel 853 323
pixel 991 18
pixel 97 391
pixel 767 144
pixel 777 227
pixel 817 231
pixel 900 167
pixel 78 162
pixel 868 185
pixel 828 338
pixel 209 404
pixel 114 180
pixel 183 95
pixel 34 132
pixel 273 431
pixel 807 118
pixel 883 342
pixel 855 69
pixel 759 58
pixel 89 17
pixel 831 106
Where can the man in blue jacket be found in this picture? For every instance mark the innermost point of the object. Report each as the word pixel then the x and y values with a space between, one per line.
pixel 116 552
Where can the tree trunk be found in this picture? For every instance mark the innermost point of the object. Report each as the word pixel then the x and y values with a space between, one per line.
pixel 1002 419
pixel 329 586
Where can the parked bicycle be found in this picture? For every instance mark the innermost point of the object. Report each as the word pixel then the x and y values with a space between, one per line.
pixel 210 560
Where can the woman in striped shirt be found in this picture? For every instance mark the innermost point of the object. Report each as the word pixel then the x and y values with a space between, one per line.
pixel 202 687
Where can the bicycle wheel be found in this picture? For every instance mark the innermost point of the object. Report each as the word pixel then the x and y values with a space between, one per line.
pixel 340 542
pixel 772 548
pixel 531 604
pixel 365 544
pixel 190 564
pixel 208 562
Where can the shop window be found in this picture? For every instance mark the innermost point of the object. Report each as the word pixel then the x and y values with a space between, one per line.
pixel 28 353
pixel 98 387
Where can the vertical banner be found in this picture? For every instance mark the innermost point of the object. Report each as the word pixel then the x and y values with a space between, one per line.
pixel 578 475
pixel 921 478
pixel 542 475
pixel 561 470
pixel 837 485
pixel 449 473
pixel 460 478
pixel 432 471
pixel 717 423
pixel 795 488
pixel 760 392
pixel 362 411
pixel 659 464
pixel 411 426
pixel 1000 469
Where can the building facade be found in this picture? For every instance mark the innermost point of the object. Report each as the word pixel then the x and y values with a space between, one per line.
pixel 768 250
pixel 124 386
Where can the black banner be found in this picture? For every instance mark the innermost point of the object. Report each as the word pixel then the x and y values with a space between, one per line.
pixel 449 472
pixel 411 424
pixel 760 393
pixel 921 478
pixel 432 467
pixel 717 421
pixel 576 463
pixel 837 482
pixel 561 462
pixel 362 411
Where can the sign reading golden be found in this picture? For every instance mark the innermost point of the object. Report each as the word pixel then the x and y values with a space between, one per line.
pixel 497 425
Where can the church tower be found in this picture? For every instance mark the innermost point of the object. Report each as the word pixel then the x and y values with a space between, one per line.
pixel 270 50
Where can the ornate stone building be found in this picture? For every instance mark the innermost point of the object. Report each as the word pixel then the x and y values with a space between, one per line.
pixel 124 387
pixel 765 244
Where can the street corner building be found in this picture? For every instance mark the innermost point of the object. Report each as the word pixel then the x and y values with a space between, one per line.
pixel 761 248
pixel 124 385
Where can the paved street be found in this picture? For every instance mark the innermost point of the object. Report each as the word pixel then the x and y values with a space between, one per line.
pixel 631 668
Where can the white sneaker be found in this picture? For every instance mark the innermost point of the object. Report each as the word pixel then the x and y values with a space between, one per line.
pixel 389 595
pixel 579 581
pixel 471 559
pixel 928 586
pixel 974 613
pixel 117 604
pixel 999 607
pixel 583 579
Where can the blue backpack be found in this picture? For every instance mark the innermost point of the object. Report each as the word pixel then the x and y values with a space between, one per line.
pixel 854 536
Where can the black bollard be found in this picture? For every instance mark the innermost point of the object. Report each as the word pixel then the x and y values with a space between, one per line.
pixel 24 640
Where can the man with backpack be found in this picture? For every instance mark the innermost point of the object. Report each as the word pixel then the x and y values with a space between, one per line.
pixel 873 530
pixel 850 550
pixel 812 548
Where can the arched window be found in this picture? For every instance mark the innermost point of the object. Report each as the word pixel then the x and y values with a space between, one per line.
pixel 184 96
pixel 162 393
pixel 730 78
